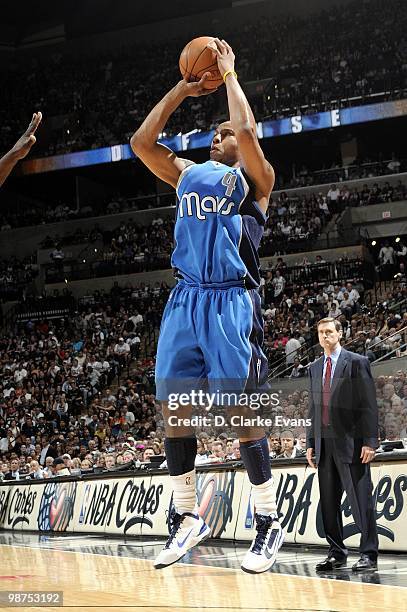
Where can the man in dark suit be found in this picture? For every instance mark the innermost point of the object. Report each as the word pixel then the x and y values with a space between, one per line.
pixel 343 435
pixel 14 473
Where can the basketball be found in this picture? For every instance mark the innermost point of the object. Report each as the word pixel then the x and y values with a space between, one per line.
pixel 196 59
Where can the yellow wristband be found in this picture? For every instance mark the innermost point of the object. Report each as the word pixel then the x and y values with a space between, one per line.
pixel 227 74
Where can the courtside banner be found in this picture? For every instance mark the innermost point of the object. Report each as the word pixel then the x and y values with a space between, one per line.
pixel 19 506
pixel 124 506
pixel 157 506
pixel 391 505
pixel 290 497
pixel 219 494
pixel 309 528
pixel 218 500
pixel 135 504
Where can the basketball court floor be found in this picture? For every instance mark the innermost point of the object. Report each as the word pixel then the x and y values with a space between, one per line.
pixel 96 572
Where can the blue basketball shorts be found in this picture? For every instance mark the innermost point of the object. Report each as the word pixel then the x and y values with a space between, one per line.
pixel 210 339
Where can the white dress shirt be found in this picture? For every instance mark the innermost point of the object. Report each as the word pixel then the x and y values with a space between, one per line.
pixel 334 360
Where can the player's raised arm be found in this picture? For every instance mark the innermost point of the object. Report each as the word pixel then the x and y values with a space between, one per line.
pixel 159 159
pixel 244 126
pixel 20 149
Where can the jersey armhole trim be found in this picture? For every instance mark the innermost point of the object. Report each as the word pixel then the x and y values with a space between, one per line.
pixel 181 176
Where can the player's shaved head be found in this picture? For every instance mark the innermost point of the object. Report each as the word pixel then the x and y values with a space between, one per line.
pixel 224 147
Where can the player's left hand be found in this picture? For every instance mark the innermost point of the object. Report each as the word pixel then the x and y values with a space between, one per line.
pixel 24 144
pixel 224 53
pixel 367 454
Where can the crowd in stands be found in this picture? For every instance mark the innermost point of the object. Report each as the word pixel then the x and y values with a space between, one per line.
pixel 295 222
pixel 15 275
pixel 338 173
pixel 309 211
pixel 292 309
pixel 26 215
pixel 313 63
pixel 123 430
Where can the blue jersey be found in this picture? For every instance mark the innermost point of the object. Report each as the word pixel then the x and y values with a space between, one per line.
pixel 218 226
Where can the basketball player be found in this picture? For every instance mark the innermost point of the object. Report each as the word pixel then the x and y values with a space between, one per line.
pixel 20 149
pixel 212 327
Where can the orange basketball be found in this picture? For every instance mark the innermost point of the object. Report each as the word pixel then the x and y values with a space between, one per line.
pixel 196 59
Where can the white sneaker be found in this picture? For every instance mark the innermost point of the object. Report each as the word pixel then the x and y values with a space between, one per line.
pixel 187 530
pixel 265 546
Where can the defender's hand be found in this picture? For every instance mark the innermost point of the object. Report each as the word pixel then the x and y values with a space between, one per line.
pixel 310 452
pixel 196 88
pixel 24 144
pixel 224 54
pixel 367 454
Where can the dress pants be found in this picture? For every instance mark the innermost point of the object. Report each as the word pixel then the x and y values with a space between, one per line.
pixel 335 477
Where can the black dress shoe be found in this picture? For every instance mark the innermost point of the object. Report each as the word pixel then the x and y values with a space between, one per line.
pixel 330 564
pixel 365 564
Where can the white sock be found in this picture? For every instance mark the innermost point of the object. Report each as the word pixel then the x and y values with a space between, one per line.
pixel 184 491
pixel 264 497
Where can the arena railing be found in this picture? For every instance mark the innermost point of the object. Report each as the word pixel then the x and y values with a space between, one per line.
pixel 334 272
pixel 312 351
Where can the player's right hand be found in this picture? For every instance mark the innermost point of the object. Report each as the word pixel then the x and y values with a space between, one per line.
pixel 26 141
pixel 310 452
pixel 197 88
pixel 224 54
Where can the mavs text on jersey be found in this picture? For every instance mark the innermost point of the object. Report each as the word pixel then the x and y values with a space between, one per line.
pixel 212 327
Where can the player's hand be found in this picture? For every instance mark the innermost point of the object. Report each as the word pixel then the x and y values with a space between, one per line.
pixel 24 144
pixel 310 452
pixel 224 54
pixel 367 454
pixel 197 88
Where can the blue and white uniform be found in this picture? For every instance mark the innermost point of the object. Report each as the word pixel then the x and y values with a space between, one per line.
pixel 212 327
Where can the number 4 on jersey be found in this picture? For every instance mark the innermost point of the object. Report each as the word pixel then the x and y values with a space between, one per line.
pixel 229 181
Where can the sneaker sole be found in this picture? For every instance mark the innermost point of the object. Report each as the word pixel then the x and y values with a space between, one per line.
pixel 204 536
pixel 271 561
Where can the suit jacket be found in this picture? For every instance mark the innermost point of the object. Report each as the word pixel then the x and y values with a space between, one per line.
pixel 352 407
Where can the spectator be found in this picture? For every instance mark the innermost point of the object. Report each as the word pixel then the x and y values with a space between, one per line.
pixel 297 370
pixel 288 448
pixel 291 348
pixel 48 471
pixel 147 454
pixel 60 468
pixel 278 284
pixel 217 452
pixel 14 473
pixel 35 470
pixel 274 446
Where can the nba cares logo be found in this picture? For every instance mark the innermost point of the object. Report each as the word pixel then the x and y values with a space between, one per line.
pixel 56 506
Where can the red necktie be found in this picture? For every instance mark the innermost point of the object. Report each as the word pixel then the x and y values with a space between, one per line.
pixel 326 392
